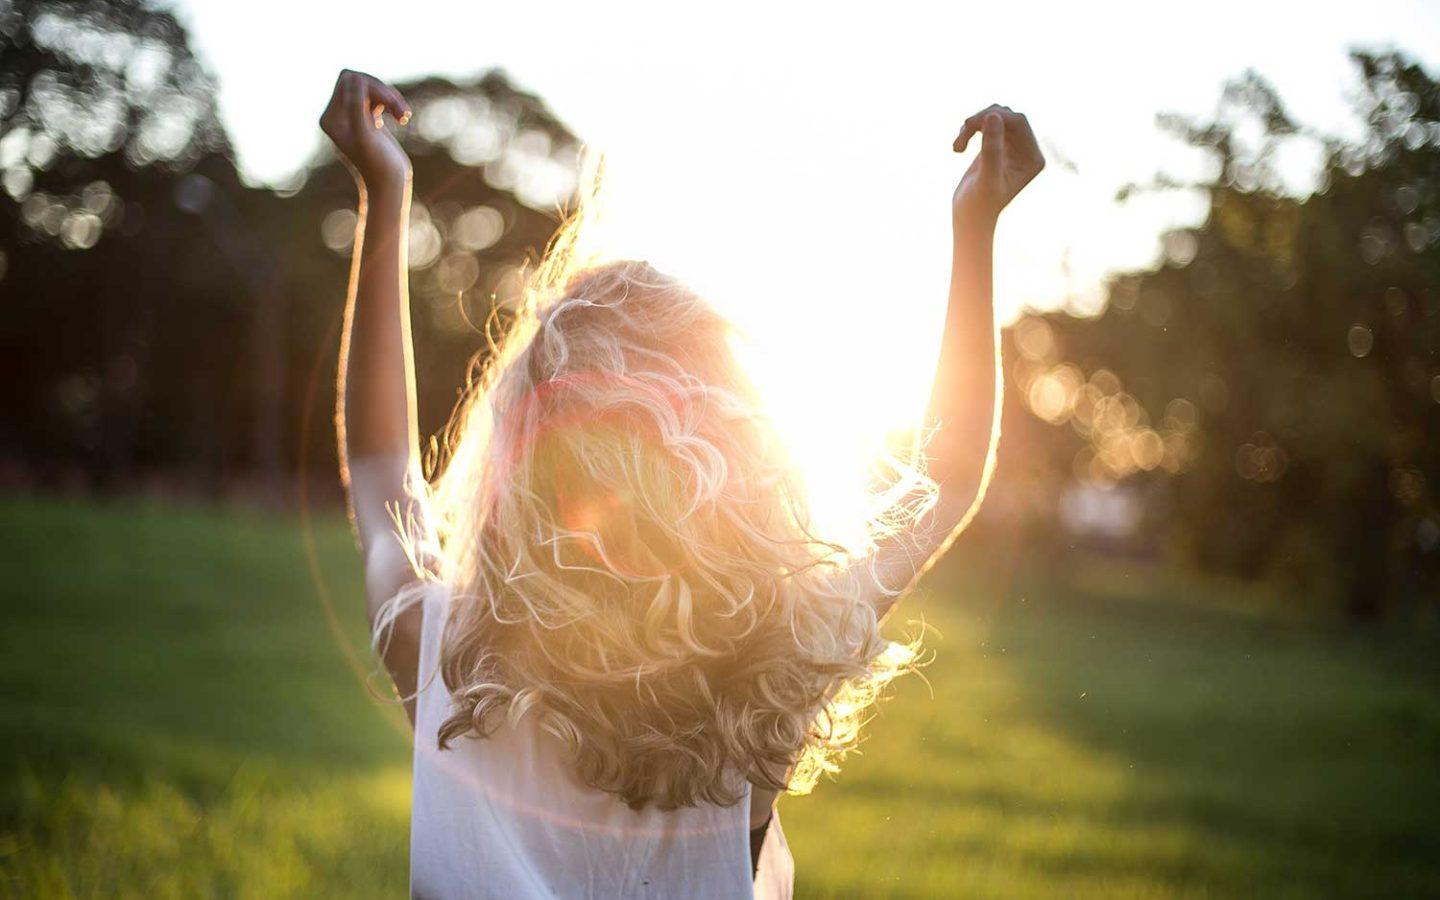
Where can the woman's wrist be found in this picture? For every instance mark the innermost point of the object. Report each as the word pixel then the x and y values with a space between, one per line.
pixel 387 190
pixel 974 233
pixel 971 221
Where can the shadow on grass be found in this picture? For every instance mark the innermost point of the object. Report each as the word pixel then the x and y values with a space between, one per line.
pixel 1305 752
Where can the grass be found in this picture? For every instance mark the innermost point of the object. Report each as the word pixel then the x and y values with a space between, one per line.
pixel 177 720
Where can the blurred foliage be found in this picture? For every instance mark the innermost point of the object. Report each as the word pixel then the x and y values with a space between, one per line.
pixel 1270 392
pixel 166 321
pixel 108 303
pixel 80 80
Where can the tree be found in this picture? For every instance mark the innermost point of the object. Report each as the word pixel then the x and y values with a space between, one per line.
pixel 101 103
pixel 1274 382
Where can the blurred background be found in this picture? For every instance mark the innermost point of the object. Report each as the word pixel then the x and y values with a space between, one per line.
pixel 1188 649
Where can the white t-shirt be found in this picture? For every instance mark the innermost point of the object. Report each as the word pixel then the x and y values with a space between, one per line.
pixel 504 817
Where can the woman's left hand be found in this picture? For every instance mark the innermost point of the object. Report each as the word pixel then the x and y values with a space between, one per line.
pixel 1009 159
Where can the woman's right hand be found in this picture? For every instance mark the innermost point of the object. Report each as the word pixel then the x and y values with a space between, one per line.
pixel 354 122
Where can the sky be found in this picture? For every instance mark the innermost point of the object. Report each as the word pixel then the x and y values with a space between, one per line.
pixel 792 160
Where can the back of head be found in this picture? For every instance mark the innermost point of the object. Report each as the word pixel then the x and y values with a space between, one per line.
pixel 631 561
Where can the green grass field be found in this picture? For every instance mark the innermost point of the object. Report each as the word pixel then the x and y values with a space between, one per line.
pixel 178 721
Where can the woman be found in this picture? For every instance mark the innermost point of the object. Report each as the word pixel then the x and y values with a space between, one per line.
pixel 614 631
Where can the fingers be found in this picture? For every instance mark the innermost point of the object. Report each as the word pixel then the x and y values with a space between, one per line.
pixel 1024 137
pixel 1015 125
pixel 972 126
pixel 366 97
pixel 967 131
pixel 383 97
pixel 993 145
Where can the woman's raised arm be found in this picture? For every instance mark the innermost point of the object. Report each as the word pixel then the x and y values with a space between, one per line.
pixel 965 398
pixel 375 409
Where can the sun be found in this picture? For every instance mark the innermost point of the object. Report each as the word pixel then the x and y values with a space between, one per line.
pixel 834 355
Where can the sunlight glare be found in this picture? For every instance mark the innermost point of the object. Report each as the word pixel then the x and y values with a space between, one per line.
pixel 840 351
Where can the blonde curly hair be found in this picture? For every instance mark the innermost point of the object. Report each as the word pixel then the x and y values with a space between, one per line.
pixel 630 555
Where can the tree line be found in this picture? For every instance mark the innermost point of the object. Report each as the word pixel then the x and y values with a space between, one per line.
pixel 1261 402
